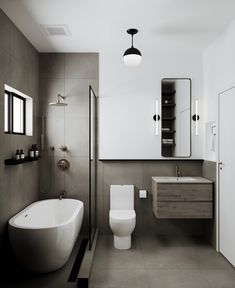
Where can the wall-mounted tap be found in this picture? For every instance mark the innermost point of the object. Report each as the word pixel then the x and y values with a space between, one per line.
pixel 62 195
pixel 64 148
pixel 177 171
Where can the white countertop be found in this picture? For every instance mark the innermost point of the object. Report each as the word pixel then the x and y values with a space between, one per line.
pixel 168 179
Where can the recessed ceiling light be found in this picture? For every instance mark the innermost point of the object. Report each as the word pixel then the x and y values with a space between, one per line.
pixel 55 30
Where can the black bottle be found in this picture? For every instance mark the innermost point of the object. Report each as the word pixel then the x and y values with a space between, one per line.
pixel 21 154
pixel 36 151
pixel 17 155
pixel 32 152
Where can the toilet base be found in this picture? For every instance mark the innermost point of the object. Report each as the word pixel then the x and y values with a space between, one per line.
pixel 122 243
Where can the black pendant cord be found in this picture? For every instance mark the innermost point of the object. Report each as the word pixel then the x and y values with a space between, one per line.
pixel 132 50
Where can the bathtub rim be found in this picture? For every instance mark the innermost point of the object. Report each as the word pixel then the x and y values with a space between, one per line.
pixel 11 221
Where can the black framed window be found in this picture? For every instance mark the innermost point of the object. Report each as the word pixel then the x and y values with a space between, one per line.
pixel 14 107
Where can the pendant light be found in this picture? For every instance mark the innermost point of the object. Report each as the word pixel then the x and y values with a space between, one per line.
pixel 132 56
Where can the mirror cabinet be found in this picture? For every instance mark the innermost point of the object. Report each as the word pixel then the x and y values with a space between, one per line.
pixel 176 117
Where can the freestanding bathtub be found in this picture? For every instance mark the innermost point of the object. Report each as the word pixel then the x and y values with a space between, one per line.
pixel 43 235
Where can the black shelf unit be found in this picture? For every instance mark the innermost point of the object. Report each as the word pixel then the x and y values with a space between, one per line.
pixel 13 161
pixel 168 105
pixel 168 117
pixel 168 91
pixel 168 144
pixel 168 132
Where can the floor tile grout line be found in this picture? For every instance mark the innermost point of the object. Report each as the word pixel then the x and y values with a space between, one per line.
pixel 138 248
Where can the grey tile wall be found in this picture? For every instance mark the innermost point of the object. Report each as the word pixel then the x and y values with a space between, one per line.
pixel 19 64
pixel 70 75
pixel 139 173
pixel 209 227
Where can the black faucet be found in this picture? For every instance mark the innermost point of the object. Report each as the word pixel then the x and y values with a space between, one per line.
pixel 177 171
pixel 61 196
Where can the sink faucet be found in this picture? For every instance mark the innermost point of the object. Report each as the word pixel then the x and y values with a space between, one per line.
pixel 62 195
pixel 177 171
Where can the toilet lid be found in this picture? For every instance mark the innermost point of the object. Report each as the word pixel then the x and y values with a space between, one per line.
pixel 122 214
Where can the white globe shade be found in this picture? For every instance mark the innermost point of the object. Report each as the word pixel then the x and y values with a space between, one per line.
pixel 132 60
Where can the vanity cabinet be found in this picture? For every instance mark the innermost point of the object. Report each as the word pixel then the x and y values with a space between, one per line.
pixel 176 199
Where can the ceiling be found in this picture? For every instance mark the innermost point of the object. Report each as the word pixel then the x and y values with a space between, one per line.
pixel 99 25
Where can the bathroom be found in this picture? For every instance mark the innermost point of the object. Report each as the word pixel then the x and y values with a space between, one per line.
pixel 107 143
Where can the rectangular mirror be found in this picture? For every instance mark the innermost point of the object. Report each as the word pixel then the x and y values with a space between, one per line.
pixel 176 117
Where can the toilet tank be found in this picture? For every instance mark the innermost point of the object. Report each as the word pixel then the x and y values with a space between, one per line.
pixel 122 197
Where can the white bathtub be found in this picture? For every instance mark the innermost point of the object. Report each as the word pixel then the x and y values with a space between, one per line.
pixel 43 235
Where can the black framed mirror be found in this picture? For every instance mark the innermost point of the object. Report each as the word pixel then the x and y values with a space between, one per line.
pixel 176 117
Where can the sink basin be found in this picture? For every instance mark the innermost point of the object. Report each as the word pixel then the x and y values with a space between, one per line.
pixel 179 179
pixel 184 179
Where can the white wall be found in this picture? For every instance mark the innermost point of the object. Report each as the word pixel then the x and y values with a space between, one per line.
pixel 219 74
pixel 127 99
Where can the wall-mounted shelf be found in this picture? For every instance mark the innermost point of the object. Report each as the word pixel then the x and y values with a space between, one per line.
pixel 168 93
pixel 168 105
pixel 168 132
pixel 168 118
pixel 168 144
pixel 21 161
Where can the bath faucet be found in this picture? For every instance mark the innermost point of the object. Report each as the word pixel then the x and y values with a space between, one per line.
pixel 61 196
pixel 177 171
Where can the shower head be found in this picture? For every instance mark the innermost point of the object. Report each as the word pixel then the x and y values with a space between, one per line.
pixel 60 101
pixel 58 104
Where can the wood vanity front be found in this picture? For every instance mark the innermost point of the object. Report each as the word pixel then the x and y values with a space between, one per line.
pixel 190 198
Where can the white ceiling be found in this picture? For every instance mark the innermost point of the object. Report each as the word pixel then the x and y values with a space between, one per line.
pixel 98 25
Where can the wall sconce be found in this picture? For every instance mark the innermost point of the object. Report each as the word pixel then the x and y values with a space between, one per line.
pixel 196 117
pixel 213 130
pixel 156 118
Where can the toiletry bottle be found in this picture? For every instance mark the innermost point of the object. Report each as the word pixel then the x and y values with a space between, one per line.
pixel 36 151
pixel 21 154
pixel 17 155
pixel 31 152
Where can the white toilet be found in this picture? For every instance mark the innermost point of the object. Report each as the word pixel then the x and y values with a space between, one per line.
pixel 122 217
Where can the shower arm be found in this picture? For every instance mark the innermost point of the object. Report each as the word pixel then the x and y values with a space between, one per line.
pixel 60 97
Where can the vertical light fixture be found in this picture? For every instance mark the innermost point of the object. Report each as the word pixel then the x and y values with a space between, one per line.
pixel 196 110
pixel 132 56
pixel 157 122
pixel 156 118
pixel 196 117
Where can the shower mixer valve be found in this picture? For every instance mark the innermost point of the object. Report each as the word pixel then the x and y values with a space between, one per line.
pixel 64 148
pixel 63 164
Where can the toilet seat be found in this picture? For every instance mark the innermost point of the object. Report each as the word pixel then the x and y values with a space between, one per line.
pixel 122 215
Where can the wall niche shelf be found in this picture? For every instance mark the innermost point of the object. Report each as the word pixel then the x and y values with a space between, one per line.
pixel 168 132
pixel 168 93
pixel 21 161
pixel 168 144
pixel 168 118
pixel 169 105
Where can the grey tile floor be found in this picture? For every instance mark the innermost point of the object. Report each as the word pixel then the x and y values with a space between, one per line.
pixel 160 262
